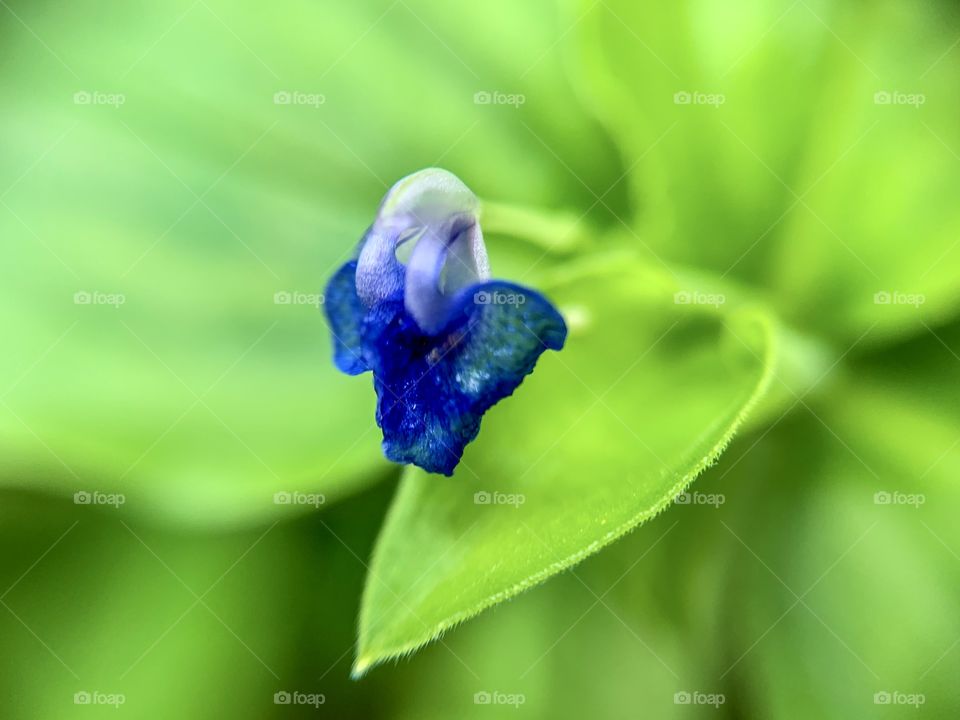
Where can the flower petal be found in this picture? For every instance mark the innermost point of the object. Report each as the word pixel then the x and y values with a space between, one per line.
pixel 433 390
pixel 379 275
pixel 443 263
pixel 345 316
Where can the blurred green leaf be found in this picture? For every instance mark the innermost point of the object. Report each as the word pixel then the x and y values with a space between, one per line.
pixel 646 394
pixel 851 594
pixel 93 603
pixel 681 99
pixel 854 563
pixel 808 147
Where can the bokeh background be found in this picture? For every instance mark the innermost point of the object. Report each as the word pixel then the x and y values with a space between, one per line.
pixel 178 180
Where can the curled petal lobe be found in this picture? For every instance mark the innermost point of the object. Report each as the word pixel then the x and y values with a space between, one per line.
pixel 380 275
pixel 439 267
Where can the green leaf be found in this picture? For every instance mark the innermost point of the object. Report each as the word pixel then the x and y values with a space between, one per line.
pixel 811 147
pixel 643 657
pixel 679 85
pixel 832 572
pixel 862 526
pixel 95 602
pixel 600 438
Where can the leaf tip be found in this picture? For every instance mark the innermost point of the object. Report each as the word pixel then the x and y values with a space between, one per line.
pixel 360 666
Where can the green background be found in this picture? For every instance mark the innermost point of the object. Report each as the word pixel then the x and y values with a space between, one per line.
pixel 178 179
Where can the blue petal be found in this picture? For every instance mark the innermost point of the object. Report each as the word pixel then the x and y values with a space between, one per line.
pixel 432 390
pixel 345 315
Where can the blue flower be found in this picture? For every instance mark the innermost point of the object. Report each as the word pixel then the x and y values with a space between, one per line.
pixel 417 308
